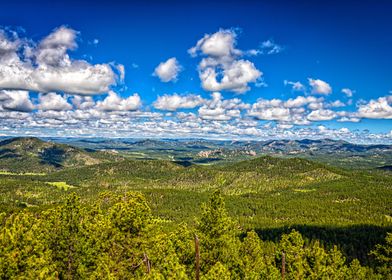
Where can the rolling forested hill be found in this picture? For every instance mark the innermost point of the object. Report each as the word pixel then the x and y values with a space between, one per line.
pixel 30 154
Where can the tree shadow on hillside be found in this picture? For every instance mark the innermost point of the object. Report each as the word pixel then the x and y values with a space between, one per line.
pixel 53 156
pixel 8 153
pixel 184 163
pixel 207 160
pixel 355 241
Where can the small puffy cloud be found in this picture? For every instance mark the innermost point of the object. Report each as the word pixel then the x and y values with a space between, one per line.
pixel 291 111
pixel 296 86
pixel 176 101
pixel 113 102
pixel 53 101
pixel 16 100
pixel 349 119
pixel 284 126
pixel 272 114
pixel 219 109
pixel 336 104
pixel 168 71
pixel 186 117
pixel 46 66
pixel 83 102
pixel 319 86
pixel 301 101
pixel 219 44
pixel 316 105
pixel 348 92
pixel 236 77
pixel 217 114
pixel 321 115
pixel 380 108
pixel 221 68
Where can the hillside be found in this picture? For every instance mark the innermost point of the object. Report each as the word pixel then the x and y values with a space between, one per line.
pixel 249 176
pixel 268 194
pixel 29 154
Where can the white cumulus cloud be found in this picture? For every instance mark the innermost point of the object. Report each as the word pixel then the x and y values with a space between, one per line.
pixel 53 101
pixel 319 86
pixel 168 70
pixel 221 68
pixel 236 77
pixel 220 109
pixel 380 108
pixel 16 100
pixel 113 102
pixel 219 44
pixel 321 115
pixel 176 101
pixel 46 66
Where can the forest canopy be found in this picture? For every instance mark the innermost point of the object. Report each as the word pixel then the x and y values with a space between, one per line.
pixel 118 237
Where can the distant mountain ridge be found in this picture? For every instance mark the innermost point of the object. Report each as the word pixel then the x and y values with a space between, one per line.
pixel 325 146
pixel 202 151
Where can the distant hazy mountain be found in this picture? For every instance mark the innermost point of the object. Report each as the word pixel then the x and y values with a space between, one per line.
pixel 324 146
pixel 15 153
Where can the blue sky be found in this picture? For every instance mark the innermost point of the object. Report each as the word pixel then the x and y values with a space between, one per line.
pixel 214 69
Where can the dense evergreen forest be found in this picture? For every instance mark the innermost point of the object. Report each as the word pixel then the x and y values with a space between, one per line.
pixel 118 237
pixel 264 218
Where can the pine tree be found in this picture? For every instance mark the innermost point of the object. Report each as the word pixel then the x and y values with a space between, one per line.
pixel 383 255
pixel 218 236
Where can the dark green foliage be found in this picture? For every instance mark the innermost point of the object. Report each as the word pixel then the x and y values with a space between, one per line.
pixel 383 256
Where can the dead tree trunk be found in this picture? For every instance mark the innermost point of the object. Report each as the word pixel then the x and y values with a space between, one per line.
pixel 283 265
pixel 147 262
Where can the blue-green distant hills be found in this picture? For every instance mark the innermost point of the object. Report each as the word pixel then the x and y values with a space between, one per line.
pixel 201 151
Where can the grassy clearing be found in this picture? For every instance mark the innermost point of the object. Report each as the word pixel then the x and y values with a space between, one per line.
pixel 22 174
pixel 61 185
pixel 304 190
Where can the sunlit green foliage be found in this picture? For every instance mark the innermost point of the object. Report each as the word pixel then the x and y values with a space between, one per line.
pixel 118 237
